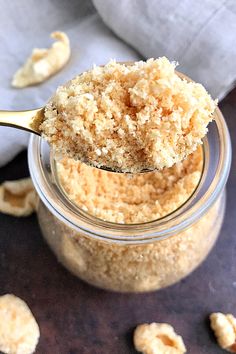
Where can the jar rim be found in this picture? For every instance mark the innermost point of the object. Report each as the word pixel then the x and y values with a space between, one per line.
pixel 189 212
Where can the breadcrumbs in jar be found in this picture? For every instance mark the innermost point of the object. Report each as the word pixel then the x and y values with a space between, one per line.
pixel 119 198
pixel 130 199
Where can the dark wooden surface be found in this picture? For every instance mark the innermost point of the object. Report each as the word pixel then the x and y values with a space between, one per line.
pixel 76 318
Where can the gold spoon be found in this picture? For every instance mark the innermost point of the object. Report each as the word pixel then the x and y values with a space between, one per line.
pixel 25 120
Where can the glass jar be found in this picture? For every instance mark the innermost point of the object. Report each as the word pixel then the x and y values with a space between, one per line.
pixel 134 257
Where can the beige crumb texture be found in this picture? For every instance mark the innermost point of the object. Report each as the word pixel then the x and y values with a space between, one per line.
pixel 18 198
pixel 19 331
pixel 123 199
pixel 158 338
pixel 43 63
pixel 128 117
pixel 224 327
pixel 132 268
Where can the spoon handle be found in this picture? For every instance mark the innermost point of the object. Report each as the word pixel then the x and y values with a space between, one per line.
pixel 26 120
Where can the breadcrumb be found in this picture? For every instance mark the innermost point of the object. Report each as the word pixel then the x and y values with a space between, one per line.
pixel 119 198
pixel 19 331
pixel 158 338
pixel 128 118
pixel 43 63
pixel 132 268
pixel 18 198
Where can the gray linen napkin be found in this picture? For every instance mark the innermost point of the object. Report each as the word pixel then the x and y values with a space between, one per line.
pixel 200 35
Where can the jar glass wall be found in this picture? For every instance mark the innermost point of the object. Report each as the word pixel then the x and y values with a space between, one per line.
pixel 138 257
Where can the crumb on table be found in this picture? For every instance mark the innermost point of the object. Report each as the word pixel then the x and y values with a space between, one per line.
pixel 224 327
pixel 19 331
pixel 159 338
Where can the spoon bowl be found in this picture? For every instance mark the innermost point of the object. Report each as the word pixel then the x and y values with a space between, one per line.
pixel 30 120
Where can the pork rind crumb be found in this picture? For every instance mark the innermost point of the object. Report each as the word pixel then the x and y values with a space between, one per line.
pixel 43 63
pixel 132 268
pixel 18 198
pixel 158 338
pixel 128 118
pixel 224 327
pixel 19 331
pixel 118 198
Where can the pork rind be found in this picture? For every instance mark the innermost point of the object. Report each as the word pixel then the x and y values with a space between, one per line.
pixel 18 198
pixel 43 63
pixel 158 338
pixel 19 331
pixel 128 118
pixel 224 327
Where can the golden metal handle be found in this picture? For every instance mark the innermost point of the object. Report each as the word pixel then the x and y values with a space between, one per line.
pixel 26 120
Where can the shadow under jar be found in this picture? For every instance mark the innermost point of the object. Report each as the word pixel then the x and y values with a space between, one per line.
pixel 134 257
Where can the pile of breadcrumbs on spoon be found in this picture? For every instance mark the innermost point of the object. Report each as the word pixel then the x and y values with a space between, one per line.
pixel 128 118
